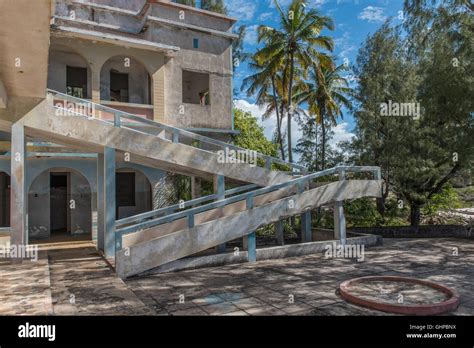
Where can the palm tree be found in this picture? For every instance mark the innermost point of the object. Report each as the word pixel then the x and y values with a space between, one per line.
pixel 325 94
pixel 296 43
pixel 263 83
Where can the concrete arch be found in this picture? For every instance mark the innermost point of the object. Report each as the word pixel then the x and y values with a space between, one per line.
pixel 60 56
pixel 70 207
pixel 86 168
pixel 132 202
pixel 140 79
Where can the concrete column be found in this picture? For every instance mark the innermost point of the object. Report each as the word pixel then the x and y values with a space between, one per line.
pixel 100 202
pixel 159 106
pixel 250 241
pixel 279 232
pixel 306 233
pixel 339 217
pixel 95 83
pixel 19 201
pixel 339 222
pixel 219 189
pixel 195 187
pixel 109 202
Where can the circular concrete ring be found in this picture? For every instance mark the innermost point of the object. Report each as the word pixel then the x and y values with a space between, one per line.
pixel 449 305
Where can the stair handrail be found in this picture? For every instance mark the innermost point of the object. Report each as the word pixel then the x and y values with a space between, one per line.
pixel 135 219
pixel 175 131
pixel 299 182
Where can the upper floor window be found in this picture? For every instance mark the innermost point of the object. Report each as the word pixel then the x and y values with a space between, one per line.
pixel 195 43
pixel 196 88
pixel 76 82
pixel 119 87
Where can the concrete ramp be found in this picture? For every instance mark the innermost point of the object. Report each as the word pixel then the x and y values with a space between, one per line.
pixel 92 134
pixel 144 256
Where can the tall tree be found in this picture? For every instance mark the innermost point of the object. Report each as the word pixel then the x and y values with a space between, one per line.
pixel 297 42
pixel 419 155
pixel 326 93
pixel 263 84
pixel 214 6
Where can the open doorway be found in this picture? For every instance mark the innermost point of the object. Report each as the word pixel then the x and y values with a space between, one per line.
pixel 59 212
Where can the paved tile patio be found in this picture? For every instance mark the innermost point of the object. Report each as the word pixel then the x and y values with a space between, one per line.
pixel 294 286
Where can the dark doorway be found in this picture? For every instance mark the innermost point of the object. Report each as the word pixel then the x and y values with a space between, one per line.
pixel 4 200
pixel 125 191
pixel 76 82
pixel 118 87
pixel 59 217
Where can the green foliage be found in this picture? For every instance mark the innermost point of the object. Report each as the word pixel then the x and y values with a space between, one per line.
pixel 186 2
pixel 446 200
pixel 214 6
pixel 296 45
pixel 418 156
pixel 251 134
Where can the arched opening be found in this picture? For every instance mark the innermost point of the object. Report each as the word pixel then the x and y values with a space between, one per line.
pixel 59 205
pixel 69 72
pixel 133 193
pixel 124 79
pixel 4 200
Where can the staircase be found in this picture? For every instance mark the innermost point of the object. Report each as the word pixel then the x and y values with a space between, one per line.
pixel 159 237
pixel 146 142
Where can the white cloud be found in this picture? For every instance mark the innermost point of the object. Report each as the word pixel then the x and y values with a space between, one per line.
pixel 265 16
pixel 372 14
pixel 251 35
pixel 341 131
pixel 285 3
pixel 243 10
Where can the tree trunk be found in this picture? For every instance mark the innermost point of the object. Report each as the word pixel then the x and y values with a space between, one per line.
pixel 290 96
pixel 323 145
pixel 279 120
pixel 415 214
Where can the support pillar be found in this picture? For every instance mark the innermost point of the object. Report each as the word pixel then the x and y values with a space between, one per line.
pixel 19 201
pixel 95 84
pixel 339 217
pixel 109 202
pixel 306 232
pixel 250 241
pixel 279 232
pixel 219 189
pixel 100 202
pixel 339 222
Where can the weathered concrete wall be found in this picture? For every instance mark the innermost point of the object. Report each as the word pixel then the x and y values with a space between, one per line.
pixel 192 16
pixel 39 207
pixel 98 54
pixel 81 214
pixel 213 57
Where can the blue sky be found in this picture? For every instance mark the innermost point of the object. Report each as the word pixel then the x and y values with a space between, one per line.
pixel 354 21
